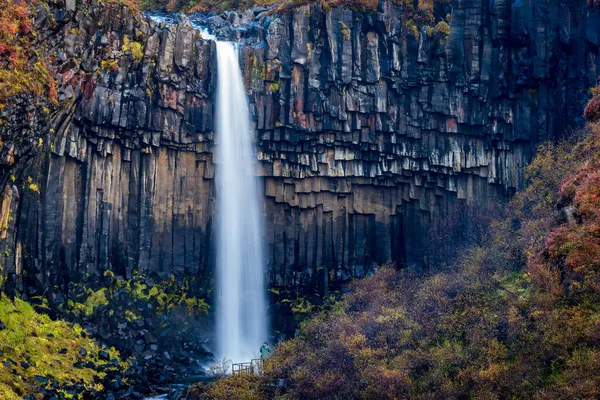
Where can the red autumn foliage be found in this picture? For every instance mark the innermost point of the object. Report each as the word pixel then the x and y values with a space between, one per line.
pixel 573 247
pixel 22 71
pixel 592 111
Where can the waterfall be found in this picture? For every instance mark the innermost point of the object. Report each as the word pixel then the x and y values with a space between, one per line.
pixel 241 313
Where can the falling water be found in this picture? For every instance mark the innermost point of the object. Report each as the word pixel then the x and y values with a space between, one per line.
pixel 241 304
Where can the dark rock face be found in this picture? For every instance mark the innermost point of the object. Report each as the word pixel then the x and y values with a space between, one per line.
pixel 368 129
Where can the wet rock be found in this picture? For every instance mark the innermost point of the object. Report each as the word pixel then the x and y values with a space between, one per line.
pixel 41 379
pixel 150 338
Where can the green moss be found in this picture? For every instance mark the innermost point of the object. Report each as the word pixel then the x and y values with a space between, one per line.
pixel 50 348
pixel 94 300
pixel 259 72
pixel 131 316
pixel 31 185
pixel 164 295
pixel 412 28
pixel 274 86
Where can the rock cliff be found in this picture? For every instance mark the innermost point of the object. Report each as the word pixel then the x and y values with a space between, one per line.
pixel 369 127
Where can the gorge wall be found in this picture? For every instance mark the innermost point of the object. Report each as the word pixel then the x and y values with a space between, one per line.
pixel 369 128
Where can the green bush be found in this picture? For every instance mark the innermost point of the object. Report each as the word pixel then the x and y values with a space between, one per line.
pixel 50 350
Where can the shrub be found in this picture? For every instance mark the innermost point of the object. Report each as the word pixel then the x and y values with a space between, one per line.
pixel 39 353
pixel 592 110
pixel 569 257
pixel 238 387
pixel 442 28
pixel 22 71
pixel 135 48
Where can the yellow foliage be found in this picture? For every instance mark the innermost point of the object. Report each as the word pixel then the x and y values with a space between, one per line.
pixel 136 51
pixel 51 348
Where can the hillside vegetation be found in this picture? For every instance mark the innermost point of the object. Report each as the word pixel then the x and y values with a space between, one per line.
pixel 41 358
pixel 515 314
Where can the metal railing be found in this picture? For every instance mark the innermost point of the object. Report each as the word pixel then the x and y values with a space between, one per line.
pixel 255 366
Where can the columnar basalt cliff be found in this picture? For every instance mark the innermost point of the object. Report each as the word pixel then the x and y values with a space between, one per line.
pixel 368 128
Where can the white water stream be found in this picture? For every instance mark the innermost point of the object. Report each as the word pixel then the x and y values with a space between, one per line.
pixel 241 310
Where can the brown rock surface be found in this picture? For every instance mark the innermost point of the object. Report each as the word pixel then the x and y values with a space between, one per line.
pixel 367 132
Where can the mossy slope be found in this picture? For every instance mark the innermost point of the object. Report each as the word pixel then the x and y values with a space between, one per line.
pixel 39 354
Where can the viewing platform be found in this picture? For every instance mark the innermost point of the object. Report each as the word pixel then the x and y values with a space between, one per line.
pixel 253 367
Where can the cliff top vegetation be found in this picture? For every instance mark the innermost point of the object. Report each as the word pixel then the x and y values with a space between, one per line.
pixel 417 9
pixel 22 70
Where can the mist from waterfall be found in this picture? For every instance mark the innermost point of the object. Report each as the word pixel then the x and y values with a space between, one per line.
pixel 241 310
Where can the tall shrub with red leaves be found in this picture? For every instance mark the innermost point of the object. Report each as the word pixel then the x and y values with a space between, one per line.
pixel 570 254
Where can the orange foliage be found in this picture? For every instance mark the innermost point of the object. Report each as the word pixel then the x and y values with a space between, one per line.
pixel 571 250
pixel 20 70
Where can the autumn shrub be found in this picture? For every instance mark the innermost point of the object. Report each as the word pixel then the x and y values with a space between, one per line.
pixel 442 28
pixel 22 70
pixel 236 387
pixel 569 257
pixel 460 226
pixel 592 110
pixel 422 12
